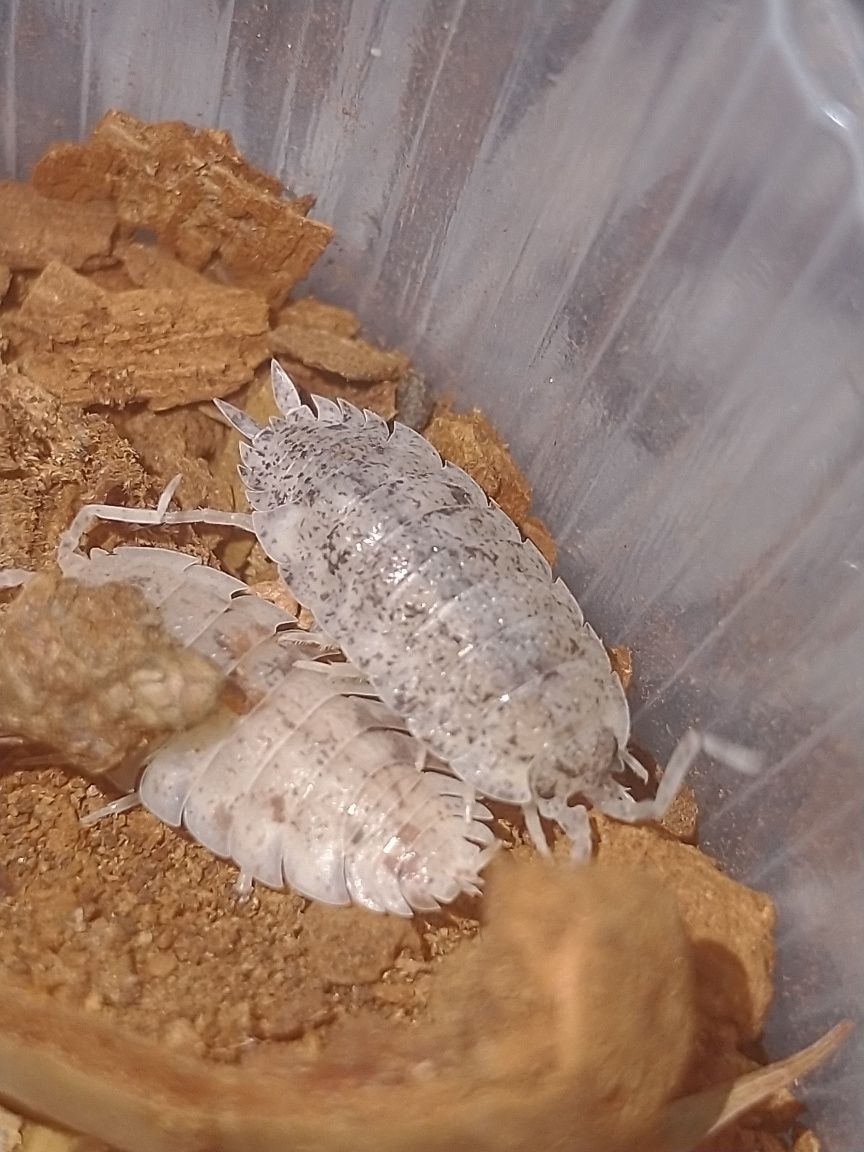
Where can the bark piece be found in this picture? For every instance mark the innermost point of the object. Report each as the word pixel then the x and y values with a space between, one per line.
pixel 353 360
pixel 196 193
pixel 35 230
pixel 53 459
pixel 166 346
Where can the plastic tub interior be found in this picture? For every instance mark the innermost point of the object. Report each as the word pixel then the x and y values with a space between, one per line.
pixel 633 232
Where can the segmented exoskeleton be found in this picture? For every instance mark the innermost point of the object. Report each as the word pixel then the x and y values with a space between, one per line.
pixel 302 776
pixel 455 619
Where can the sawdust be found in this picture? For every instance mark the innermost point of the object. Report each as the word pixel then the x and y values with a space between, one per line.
pixel 130 920
pixel 141 926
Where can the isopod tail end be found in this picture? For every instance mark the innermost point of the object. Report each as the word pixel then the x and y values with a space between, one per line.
pixel 284 392
pixel 238 419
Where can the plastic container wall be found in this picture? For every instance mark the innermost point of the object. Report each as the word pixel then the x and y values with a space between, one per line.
pixel 633 232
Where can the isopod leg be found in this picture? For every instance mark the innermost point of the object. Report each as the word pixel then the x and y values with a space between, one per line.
pixel 113 809
pixel 68 552
pixel 535 828
pixel 688 748
pixel 215 517
pixel 459 788
pixel 483 858
pixel 243 886
pixel 575 824
pixel 636 767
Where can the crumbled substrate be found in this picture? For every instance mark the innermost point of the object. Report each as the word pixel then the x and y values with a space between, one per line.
pixel 130 918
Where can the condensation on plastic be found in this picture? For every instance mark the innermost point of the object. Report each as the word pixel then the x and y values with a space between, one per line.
pixel 633 232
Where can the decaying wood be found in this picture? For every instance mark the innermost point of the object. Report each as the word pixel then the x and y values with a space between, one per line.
pixel 35 230
pixel 196 193
pixel 168 346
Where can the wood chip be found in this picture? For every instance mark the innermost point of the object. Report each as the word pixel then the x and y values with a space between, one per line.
pixel 180 441
pixel 41 1138
pixel 469 440
pixel 35 230
pixel 351 359
pixel 165 346
pixel 312 313
pixel 10 1130
pixel 379 398
pixel 415 401
pixel 195 192
pixel 148 266
pixel 536 531
pixel 716 1059
pixel 682 819
pixel 807 1141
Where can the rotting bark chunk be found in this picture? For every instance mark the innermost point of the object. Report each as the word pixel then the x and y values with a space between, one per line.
pixel 165 346
pixel 351 359
pixel 35 230
pixel 196 193
pixel 53 459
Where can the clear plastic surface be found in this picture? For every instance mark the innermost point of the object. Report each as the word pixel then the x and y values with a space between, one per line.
pixel 633 232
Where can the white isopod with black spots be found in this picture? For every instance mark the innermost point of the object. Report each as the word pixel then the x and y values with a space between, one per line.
pixel 306 780
pixel 456 620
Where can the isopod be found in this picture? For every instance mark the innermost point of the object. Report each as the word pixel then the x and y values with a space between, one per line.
pixel 302 778
pixel 456 620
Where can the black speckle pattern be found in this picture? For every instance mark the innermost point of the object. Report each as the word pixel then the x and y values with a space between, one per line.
pixel 433 594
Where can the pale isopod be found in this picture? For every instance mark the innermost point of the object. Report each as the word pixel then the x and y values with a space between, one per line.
pixel 457 621
pixel 302 777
